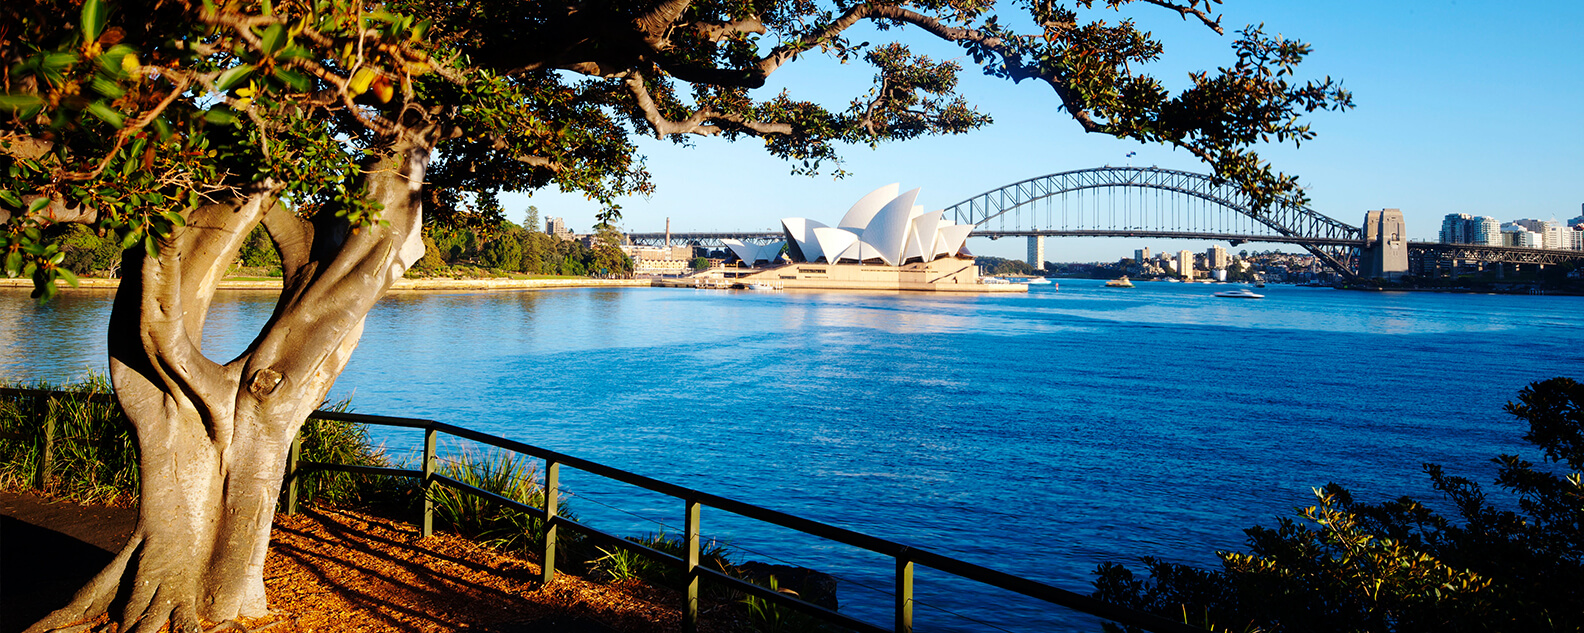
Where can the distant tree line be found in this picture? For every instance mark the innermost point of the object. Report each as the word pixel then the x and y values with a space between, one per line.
pixel 999 266
pixel 508 248
pixel 502 248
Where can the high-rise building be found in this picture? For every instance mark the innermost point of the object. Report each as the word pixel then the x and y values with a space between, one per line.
pixel 1185 264
pixel 1456 229
pixel 1216 257
pixel 1036 252
pixel 1516 234
pixel 1141 255
pixel 1487 231
pixel 557 227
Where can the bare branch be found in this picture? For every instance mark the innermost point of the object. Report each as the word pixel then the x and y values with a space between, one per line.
pixel 1192 9
pixel 704 121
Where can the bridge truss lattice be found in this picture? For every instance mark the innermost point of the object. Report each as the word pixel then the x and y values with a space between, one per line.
pixel 1123 201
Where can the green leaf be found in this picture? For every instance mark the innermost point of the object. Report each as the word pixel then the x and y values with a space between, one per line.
pixel 94 14
pixel 13 263
pixel 106 113
pixel 38 204
pixel 150 246
pixel 14 102
pixel 174 218
pixel 9 197
pixel 106 87
pixel 294 79
pixel 221 116
pixel 273 38
pixel 232 76
pixel 68 275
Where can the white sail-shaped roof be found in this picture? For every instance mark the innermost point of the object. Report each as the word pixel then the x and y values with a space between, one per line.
pixel 883 225
pixel 832 242
pixel 952 239
pixel 754 253
pixel 888 231
pixel 921 236
pixel 800 237
pixel 865 209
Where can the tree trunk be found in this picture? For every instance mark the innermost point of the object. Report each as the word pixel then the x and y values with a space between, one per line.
pixel 214 437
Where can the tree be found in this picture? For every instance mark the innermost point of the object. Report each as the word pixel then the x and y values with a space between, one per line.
pixel 1399 566
pixel 344 127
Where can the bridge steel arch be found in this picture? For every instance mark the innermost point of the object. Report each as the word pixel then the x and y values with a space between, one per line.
pixel 1297 224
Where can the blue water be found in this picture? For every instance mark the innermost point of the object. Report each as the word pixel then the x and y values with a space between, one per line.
pixel 1038 434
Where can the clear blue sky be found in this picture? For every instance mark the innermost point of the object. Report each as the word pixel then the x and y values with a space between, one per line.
pixel 1462 107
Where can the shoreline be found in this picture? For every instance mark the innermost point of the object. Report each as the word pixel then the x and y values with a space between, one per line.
pixel 407 285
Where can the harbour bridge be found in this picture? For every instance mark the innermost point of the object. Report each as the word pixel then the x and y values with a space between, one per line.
pixel 1149 202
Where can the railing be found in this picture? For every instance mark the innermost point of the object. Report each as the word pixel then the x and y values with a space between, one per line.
pixel 693 501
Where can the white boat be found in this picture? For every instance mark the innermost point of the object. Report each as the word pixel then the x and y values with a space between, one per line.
pixel 1037 281
pixel 1240 293
pixel 760 285
pixel 1120 282
pixel 993 280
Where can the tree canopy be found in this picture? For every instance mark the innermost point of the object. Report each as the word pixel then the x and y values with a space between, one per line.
pixel 124 114
pixel 343 127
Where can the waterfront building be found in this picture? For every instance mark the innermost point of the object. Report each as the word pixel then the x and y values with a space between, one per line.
pixel 656 261
pixel 1036 252
pixel 1185 264
pixel 1141 255
pixel 884 242
pixel 1216 257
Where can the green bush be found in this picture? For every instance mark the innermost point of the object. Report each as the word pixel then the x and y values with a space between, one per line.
pixel 258 251
pixel 87 253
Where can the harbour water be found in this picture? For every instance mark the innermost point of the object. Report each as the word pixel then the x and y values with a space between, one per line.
pixel 1039 434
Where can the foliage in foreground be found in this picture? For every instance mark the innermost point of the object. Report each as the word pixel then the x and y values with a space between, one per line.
pixel 1399 566
pixel 94 456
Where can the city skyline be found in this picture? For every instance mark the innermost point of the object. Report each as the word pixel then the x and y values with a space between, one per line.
pixel 1448 104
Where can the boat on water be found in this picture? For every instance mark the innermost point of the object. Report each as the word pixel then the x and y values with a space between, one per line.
pixel 1240 293
pixel 1120 282
pixel 1037 281
pixel 760 285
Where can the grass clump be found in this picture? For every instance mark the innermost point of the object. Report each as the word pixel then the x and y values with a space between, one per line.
pixel 94 454
pixel 506 474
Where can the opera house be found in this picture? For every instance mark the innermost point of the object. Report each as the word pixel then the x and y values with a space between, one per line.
pixel 885 242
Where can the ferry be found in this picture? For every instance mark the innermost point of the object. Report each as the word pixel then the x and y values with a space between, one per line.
pixel 1037 281
pixel 1120 282
pixel 1240 293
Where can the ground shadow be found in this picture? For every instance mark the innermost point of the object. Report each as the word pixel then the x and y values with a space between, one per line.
pixel 40 569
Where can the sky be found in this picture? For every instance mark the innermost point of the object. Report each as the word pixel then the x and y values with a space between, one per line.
pixel 1462 106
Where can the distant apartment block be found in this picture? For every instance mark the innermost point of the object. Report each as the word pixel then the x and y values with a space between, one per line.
pixel 1216 258
pixel 1141 255
pixel 1462 228
pixel 1185 264
pixel 557 227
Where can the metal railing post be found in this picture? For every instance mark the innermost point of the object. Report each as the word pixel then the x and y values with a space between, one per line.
pixel 904 592
pixel 552 489
pixel 41 409
pixel 690 526
pixel 292 455
pixel 427 529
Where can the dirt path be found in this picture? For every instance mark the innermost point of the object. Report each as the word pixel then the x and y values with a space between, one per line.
pixel 337 570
